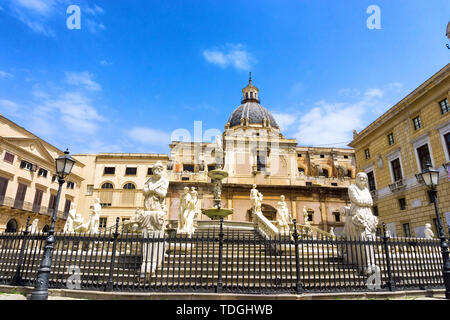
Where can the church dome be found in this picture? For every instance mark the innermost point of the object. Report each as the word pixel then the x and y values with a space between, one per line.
pixel 250 111
pixel 254 113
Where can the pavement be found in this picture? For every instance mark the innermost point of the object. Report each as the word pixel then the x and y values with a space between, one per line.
pixel 10 296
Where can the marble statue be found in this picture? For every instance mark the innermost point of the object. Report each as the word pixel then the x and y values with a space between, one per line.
pixel 68 227
pixel 284 217
pixel 94 221
pixel 254 196
pixel 33 228
pixel 429 234
pixel 78 224
pixel 360 224
pixel 152 220
pixel 332 231
pixel 185 206
pixel 218 152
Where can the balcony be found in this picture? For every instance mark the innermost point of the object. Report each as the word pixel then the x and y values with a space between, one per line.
pixel 397 186
pixel 29 207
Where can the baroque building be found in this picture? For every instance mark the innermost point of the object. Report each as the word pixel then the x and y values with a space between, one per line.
pixel 28 184
pixel 312 179
pixel 397 146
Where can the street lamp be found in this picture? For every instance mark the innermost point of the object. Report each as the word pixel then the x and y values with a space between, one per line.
pixel 430 177
pixel 64 165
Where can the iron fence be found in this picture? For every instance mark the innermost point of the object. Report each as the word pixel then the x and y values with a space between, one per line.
pixel 218 260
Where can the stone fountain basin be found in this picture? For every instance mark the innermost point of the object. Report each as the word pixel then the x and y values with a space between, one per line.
pixel 218 174
pixel 216 214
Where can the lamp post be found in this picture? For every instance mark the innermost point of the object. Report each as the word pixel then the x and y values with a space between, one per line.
pixel 430 177
pixel 64 166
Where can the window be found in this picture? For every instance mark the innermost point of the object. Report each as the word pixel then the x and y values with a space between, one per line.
pixel 337 216
pixel 42 173
pixel 406 230
pixel 299 155
pixel 70 185
pixel 375 211
pixel 20 196
pixel 367 153
pixel 3 186
pixel 261 162
pixel 345 157
pixel 150 171
pixel 325 172
pixel 52 202
pixel 310 217
pixel 27 165
pixel 423 153
pixel 67 206
pixel 444 106
pixel 417 123
pixel 391 140
pixel 107 185
pixel 184 178
pixel 90 189
pixel 402 203
pixel 301 170
pixel 130 171
pixel 129 186
pixel 334 184
pixel 37 201
pixel 349 173
pixel 447 142
pixel 54 177
pixel 9 157
pixel 109 170
pixel 322 156
pixel 396 169
pixel 371 180
pixel 188 167
pixel 102 223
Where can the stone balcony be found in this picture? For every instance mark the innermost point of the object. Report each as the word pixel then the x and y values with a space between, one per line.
pixel 397 186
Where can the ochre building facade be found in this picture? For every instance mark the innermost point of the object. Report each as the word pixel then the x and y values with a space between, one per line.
pixel 397 146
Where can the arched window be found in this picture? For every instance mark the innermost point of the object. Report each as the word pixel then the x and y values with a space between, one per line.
pixel 301 170
pixel 325 172
pixel 11 226
pixel 46 228
pixel 129 186
pixel 107 185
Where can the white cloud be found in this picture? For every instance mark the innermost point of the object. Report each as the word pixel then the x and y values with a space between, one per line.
pixel 374 93
pixel 83 79
pixel 149 136
pixel 331 123
pixel 4 74
pixel 230 55
pixel 105 63
pixel 42 7
pixel 8 107
pixel 284 120
pixel 93 26
pixel 93 10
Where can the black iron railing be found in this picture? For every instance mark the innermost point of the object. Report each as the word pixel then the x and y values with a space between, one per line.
pixel 223 261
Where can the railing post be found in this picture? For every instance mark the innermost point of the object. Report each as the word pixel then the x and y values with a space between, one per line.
pixel 390 283
pixel 17 280
pixel 298 287
pixel 109 284
pixel 219 276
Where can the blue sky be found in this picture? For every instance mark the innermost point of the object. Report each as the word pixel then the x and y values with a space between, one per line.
pixel 137 71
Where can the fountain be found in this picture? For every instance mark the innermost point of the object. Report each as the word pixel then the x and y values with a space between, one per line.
pixel 217 176
pixel 217 212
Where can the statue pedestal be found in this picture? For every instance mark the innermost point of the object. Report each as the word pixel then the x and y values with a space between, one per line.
pixel 153 250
